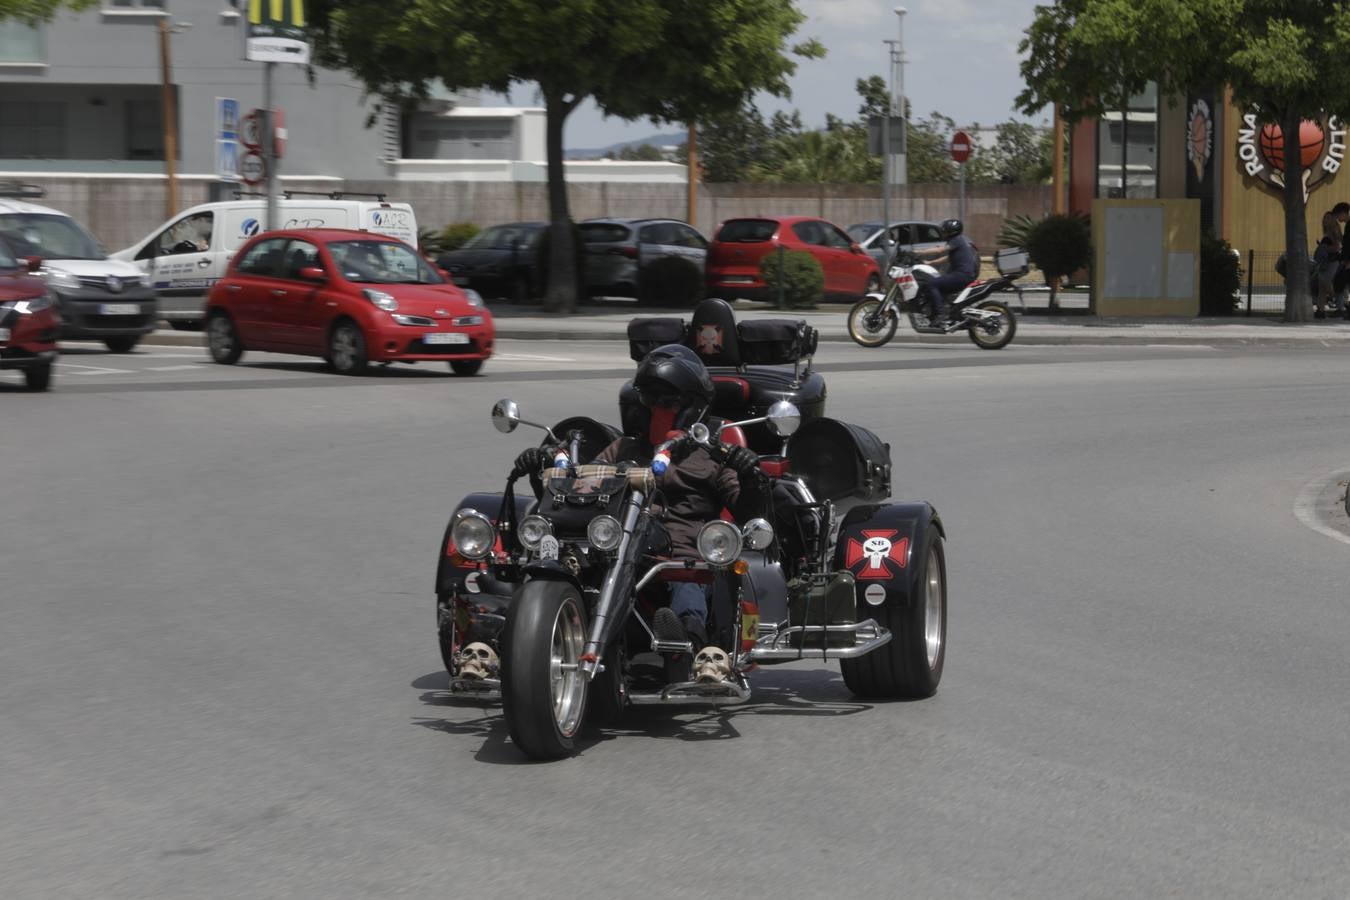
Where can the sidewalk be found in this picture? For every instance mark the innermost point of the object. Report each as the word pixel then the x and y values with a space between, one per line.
pixel 607 319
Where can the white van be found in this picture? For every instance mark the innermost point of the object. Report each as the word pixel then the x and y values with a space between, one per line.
pixel 186 255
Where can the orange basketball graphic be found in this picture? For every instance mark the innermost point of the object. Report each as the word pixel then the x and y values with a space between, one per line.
pixel 1312 141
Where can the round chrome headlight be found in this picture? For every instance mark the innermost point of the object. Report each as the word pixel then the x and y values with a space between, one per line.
pixel 719 543
pixel 473 534
pixel 604 533
pixel 757 534
pixel 532 530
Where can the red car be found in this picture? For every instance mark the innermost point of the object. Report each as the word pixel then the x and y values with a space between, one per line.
pixel 739 245
pixel 28 320
pixel 351 297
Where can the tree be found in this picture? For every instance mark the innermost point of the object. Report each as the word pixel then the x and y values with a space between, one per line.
pixel 34 11
pixel 664 60
pixel 1283 58
pixel 1020 155
pixel 929 160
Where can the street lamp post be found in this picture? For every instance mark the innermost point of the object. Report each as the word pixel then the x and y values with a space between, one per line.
pixel 902 177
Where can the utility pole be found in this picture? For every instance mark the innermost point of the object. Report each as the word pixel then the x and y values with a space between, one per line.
pixel 692 166
pixel 169 120
pixel 886 156
pixel 903 162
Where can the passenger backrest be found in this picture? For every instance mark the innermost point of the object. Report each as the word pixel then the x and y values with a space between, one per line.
pixel 712 333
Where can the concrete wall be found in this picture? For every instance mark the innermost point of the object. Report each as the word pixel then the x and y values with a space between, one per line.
pixel 122 209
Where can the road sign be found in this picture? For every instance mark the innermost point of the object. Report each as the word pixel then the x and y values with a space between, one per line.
pixel 252 168
pixel 250 130
pixel 227 119
pixel 275 32
pixel 227 160
pixel 960 146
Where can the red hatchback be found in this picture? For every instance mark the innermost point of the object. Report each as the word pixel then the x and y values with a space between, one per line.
pixel 28 321
pixel 739 245
pixel 351 297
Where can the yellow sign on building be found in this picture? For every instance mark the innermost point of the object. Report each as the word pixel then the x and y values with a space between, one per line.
pixel 276 31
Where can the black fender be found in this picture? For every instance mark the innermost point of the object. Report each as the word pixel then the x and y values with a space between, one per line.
pixel 450 577
pixel 552 570
pixel 885 573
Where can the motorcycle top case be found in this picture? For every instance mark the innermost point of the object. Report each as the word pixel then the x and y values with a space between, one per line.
pixel 774 342
pixel 841 462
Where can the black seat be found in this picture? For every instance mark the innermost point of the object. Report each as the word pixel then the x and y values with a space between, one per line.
pixel 712 333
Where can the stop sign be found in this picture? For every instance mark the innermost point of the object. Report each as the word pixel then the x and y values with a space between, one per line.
pixel 960 146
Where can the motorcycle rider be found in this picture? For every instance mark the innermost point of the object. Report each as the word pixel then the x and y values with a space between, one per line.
pixel 963 268
pixel 675 389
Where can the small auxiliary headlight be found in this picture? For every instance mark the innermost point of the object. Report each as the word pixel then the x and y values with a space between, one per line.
pixel 532 530
pixel 604 533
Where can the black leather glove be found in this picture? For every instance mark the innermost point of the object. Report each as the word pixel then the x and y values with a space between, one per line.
pixel 742 459
pixel 531 461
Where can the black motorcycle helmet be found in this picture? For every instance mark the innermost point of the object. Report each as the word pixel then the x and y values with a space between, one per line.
pixel 950 228
pixel 674 385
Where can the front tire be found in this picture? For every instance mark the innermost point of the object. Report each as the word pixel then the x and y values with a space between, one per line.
pixel 465 366
pixel 543 691
pixel 38 378
pixel 122 343
pixel 222 339
pixel 997 336
pixel 910 666
pixel 347 349
pixel 869 325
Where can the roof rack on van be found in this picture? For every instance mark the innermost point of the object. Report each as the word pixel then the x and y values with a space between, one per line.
pixel 20 190
pixel 239 195
pixel 332 195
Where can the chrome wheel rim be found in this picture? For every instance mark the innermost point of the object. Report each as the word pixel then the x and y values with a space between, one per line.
pixel 565 680
pixel 344 347
pixel 933 609
pixel 992 331
pixel 221 336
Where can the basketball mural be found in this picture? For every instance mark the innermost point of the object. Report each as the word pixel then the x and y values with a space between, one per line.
pixel 1262 147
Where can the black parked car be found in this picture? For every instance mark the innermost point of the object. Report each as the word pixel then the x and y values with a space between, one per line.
pixel 501 261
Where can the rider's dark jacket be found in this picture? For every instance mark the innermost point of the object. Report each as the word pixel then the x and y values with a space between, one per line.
pixel 693 491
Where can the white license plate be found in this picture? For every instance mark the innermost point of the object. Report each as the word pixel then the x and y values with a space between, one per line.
pixel 453 337
pixel 119 309
pixel 4 334
pixel 461 279
pixel 738 279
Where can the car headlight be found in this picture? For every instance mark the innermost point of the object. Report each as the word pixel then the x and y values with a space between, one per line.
pixel 60 279
pixel 473 534
pixel 757 534
pixel 32 304
pixel 381 299
pixel 532 530
pixel 474 298
pixel 719 543
pixel 604 533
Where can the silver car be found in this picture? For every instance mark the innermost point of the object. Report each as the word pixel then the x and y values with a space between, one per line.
pixel 910 236
pixel 617 253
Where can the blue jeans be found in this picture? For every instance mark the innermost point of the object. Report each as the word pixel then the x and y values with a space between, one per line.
pixel 952 281
pixel 689 599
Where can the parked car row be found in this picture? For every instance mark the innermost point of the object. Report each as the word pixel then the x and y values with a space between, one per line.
pixel 668 262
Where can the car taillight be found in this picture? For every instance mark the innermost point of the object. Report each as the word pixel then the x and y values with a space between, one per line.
pixel 630 252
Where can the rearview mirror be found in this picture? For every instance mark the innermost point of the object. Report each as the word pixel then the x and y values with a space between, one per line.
pixel 313 273
pixel 505 416
pixel 784 418
pixel 34 263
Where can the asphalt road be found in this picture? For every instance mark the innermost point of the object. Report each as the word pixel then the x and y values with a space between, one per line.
pixel 219 676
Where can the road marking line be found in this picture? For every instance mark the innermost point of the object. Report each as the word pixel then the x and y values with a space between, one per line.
pixel 172 368
pixel 523 357
pixel 1305 507
pixel 94 370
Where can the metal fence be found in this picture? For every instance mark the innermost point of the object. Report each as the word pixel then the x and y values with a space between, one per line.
pixel 1262 287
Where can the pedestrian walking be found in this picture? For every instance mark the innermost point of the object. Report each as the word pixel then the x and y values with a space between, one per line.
pixel 1328 255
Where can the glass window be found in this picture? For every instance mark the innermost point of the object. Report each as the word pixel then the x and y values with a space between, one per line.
pixel 836 238
pixel 188 235
pixel 381 262
pixel 603 233
pixel 809 233
pixel 748 231
pixel 7 257
pixel 48 236
pixel 30 130
pixel 689 237
pixel 134 4
pixel 263 258
pixel 20 43
pixel 1127 148
pixel 861 233
pixel 929 234
pixel 300 255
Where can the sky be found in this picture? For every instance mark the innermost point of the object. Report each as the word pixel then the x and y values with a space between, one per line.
pixel 961 60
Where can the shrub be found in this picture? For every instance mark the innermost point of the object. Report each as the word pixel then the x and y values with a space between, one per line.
pixel 802 278
pixel 1060 245
pixel 1220 276
pixel 453 236
pixel 1015 231
pixel 671 281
